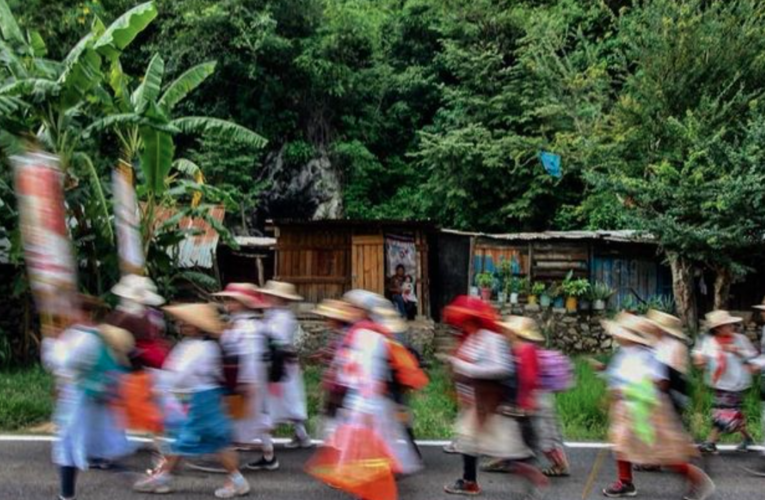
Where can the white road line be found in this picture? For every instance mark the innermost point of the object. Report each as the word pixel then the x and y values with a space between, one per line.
pixel 582 445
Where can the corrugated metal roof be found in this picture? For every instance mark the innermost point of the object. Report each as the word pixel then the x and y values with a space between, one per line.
pixel 255 241
pixel 199 250
pixel 631 236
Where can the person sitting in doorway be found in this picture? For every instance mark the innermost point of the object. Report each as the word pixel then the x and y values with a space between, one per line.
pixel 396 289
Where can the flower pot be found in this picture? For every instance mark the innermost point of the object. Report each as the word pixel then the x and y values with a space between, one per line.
pixel 572 304
pixel 474 291
pixel 486 294
pixel 599 305
pixel 533 300
pixel 502 297
pixel 514 298
pixel 584 305
pixel 559 302
pixel 545 301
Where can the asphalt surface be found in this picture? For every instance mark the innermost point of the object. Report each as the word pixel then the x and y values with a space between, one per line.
pixel 27 474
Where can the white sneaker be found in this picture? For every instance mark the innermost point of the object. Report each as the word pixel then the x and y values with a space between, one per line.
pixel 299 443
pixel 235 487
pixel 158 483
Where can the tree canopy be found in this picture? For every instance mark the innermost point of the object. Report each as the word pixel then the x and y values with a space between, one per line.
pixel 438 109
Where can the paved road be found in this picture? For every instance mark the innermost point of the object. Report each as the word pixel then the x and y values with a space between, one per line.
pixel 26 474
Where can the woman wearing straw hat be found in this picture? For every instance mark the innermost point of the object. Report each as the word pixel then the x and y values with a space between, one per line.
pixel 725 356
pixel 368 444
pixel 87 361
pixel 195 373
pixel 287 401
pixel 481 364
pixel 136 313
pixel 644 429
pixel 244 370
pixel 537 405
pixel 340 317
pixel 672 352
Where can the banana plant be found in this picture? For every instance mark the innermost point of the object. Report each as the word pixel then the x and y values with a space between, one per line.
pixel 52 102
pixel 143 120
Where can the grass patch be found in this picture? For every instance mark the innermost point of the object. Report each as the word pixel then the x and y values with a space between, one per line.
pixel 26 400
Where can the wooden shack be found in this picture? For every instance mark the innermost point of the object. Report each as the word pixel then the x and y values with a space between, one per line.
pixel 326 258
pixel 629 264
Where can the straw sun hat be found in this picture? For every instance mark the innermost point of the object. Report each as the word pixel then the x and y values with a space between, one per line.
pixel 139 289
pixel 667 323
pixel 246 293
pixel 630 327
pixel 282 290
pixel 119 341
pixel 523 327
pixel 338 310
pixel 203 316
pixel 716 319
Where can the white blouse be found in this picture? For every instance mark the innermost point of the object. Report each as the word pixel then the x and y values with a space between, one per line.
pixel 194 365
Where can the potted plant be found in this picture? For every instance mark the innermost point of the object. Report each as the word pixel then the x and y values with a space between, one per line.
pixel 556 294
pixel 514 288
pixel 537 289
pixel 485 281
pixel 546 298
pixel 599 294
pixel 504 274
pixel 574 289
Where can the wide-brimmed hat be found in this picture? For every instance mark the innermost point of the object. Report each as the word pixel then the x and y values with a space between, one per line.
pixel 389 319
pixel 667 323
pixel 246 293
pixel 719 318
pixel 338 310
pixel 282 290
pixel 761 307
pixel 366 301
pixel 523 327
pixel 637 324
pixel 465 308
pixel 139 289
pixel 203 316
pixel 618 330
pixel 119 341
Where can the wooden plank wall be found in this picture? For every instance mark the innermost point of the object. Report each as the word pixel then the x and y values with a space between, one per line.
pixel 368 263
pixel 628 276
pixel 553 261
pixel 317 261
pixel 422 281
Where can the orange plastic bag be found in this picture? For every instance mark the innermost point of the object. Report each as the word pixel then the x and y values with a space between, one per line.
pixel 357 462
pixel 406 368
pixel 140 409
pixel 237 409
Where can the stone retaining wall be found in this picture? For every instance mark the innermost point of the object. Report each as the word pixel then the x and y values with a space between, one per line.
pixel 573 333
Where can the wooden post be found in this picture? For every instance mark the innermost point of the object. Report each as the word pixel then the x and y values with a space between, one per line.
pixel 261 272
pixel 471 260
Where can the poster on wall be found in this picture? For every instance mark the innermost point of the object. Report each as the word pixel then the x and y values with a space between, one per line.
pixel 44 232
pixel 401 268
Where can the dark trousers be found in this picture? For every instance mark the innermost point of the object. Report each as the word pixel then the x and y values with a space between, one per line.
pixel 469 468
pixel 68 477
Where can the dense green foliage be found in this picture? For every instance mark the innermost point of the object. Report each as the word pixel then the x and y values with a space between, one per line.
pixel 436 109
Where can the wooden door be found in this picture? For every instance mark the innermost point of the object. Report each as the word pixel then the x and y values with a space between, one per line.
pixel 368 263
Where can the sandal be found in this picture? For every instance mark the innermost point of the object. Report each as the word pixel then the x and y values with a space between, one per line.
pixel 556 471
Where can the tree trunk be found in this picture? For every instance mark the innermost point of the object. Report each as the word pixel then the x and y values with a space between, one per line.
pixel 723 281
pixel 682 287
